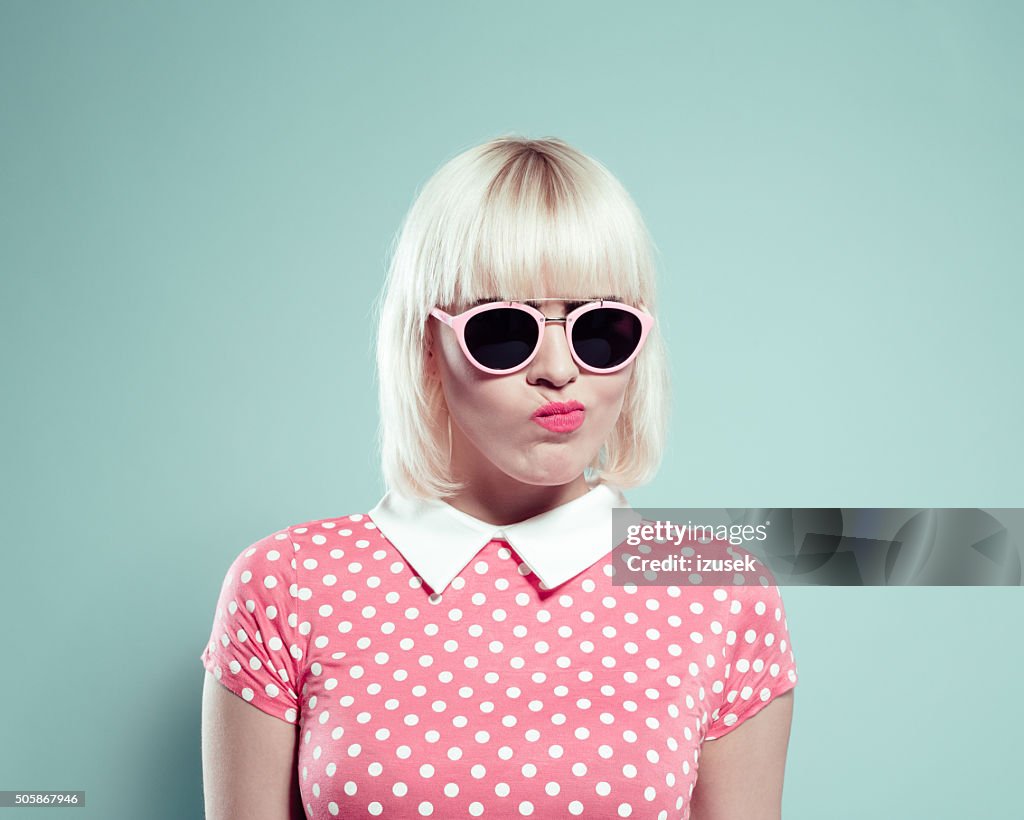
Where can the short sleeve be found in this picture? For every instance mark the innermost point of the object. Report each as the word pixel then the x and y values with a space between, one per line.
pixel 255 647
pixel 761 665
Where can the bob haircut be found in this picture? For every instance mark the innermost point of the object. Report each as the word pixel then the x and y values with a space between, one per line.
pixel 513 218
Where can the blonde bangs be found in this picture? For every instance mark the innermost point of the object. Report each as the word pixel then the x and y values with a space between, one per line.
pixel 545 225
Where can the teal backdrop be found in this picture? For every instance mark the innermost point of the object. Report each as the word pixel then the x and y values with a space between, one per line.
pixel 197 203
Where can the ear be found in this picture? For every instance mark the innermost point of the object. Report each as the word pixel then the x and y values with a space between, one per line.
pixel 429 360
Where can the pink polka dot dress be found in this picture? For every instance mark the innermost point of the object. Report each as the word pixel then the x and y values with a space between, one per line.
pixel 440 666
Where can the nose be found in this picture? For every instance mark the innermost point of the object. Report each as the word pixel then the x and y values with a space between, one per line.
pixel 553 363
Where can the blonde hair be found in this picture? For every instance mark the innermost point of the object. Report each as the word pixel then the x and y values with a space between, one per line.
pixel 512 218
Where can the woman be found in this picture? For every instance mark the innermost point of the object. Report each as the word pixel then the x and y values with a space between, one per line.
pixel 460 649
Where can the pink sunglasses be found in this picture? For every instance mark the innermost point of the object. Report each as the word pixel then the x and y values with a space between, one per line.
pixel 503 337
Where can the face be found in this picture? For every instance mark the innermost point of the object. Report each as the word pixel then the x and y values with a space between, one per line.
pixel 495 440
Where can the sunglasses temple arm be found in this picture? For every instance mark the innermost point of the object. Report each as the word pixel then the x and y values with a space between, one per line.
pixel 440 314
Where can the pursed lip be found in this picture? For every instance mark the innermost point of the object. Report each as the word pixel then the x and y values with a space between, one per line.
pixel 557 407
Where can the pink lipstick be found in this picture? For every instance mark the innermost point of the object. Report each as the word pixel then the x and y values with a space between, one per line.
pixel 560 417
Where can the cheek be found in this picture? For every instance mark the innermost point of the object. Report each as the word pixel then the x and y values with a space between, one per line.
pixel 471 406
pixel 610 394
pixel 456 373
pixel 474 400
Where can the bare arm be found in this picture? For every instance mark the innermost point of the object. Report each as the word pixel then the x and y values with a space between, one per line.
pixel 740 774
pixel 249 760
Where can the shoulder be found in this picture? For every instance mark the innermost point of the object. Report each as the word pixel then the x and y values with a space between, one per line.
pixel 277 548
pixel 335 524
pixel 272 566
pixel 748 591
pixel 260 556
pixel 277 559
pixel 332 539
pixel 754 603
pixel 744 600
pixel 351 529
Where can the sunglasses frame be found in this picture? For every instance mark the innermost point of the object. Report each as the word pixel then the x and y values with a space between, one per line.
pixel 458 324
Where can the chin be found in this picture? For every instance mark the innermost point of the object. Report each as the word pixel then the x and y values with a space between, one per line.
pixel 555 477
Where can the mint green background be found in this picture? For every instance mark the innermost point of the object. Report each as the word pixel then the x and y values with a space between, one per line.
pixel 196 204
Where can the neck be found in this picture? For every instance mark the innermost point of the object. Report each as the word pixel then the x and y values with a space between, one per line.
pixel 499 499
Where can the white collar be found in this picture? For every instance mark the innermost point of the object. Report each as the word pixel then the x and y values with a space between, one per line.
pixel 439 540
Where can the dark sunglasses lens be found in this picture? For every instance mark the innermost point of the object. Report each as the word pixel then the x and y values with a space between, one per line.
pixel 606 337
pixel 502 338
